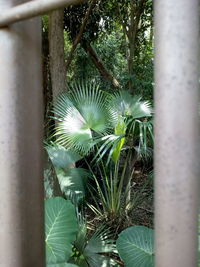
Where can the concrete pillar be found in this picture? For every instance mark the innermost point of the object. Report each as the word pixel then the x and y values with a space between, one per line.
pixel 176 132
pixel 21 182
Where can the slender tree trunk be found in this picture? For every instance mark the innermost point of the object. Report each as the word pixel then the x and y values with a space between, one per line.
pixel 57 58
pixel 80 33
pixel 131 37
pixel 135 15
pixel 99 65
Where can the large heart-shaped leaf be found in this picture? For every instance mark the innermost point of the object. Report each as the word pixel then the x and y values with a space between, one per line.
pixel 135 246
pixel 60 229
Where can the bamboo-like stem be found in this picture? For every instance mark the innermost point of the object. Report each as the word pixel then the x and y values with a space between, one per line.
pixel 33 9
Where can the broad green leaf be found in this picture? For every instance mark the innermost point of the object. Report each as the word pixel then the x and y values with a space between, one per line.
pixel 62 157
pixel 72 182
pixel 135 246
pixel 60 229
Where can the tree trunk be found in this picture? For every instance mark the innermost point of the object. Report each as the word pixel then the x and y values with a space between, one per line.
pixel 57 57
pixel 47 89
pixel 101 68
pixel 131 31
pixel 80 33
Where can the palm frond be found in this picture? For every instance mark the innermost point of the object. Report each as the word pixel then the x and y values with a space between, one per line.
pixel 127 105
pixel 92 104
pixel 100 243
pixel 108 146
pixel 81 112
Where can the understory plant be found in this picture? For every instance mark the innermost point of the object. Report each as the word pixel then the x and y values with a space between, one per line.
pixel 93 250
pixel 110 132
pixel 69 244
pixel 67 240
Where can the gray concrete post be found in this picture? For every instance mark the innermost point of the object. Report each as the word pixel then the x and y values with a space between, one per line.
pixel 21 183
pixel 176 132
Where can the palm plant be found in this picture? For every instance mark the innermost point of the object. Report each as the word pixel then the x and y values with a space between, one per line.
pixel 81 113
pixel 107 126
pixel 93 250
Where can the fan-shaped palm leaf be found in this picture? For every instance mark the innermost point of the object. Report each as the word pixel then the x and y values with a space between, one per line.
pixel 93 249
pixel 130 110
pixel 125 104
pixel 79 112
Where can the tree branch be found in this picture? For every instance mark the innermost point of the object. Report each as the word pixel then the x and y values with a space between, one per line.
pixel 99 65
pixel 79 35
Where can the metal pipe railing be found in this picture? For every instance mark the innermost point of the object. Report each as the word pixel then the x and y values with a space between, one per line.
pixel 32 9
pixel 21 179
pixel 176 132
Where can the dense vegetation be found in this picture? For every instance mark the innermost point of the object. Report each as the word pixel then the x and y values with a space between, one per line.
pixel 98 176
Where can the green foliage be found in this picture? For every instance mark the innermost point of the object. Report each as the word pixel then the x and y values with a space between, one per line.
pixel 86 113
pixel 60 229
pixel 73 183
pixel 73 17
pixel 72 180
pixel 135 246
pixel 93 250
pixel 60 156
pixel 113 122
pixel 80 112
pixel 120 129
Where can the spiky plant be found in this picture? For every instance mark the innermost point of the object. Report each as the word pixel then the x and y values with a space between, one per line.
pixel 91 120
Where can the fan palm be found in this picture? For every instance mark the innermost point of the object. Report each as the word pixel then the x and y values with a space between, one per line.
pixel 81 113
pixel 92 120
pixel 87 115
pixel 94 250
